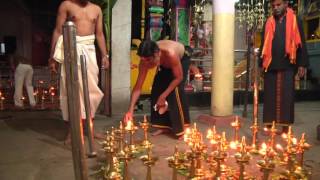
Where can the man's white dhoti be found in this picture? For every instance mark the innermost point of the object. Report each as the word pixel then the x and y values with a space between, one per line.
pixel 85 46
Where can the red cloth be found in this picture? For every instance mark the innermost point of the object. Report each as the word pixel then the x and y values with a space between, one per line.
pixel 293 39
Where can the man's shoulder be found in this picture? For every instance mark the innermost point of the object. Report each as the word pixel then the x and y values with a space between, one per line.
pixel 65 4
pixel 93 5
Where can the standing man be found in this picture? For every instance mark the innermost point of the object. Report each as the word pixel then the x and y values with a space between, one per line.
pixel 23 74
pixel 169 110
pixel 88 20
pixel 283 55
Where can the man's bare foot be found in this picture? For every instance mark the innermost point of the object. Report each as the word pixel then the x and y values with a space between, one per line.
pixel 67 141
pixel 159 131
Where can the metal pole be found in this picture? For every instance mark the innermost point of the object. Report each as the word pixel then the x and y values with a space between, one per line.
pixel 245 103
pixel 86 97
pixel 72 84
pixel 255 88
pixel 106 73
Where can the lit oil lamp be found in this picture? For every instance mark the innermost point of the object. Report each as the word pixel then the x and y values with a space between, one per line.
pixel 220 155
pixel 42 101
pixel 52 94
pixel 290 156
pixel 254 145
pixel 145 125
pixel 267 164
pixel 194 139
pixel 302 147
pixel 242 157
pixel 2 98
pixel 119 137
pixel 131 128
pixel 35 94
pixel 149 161
pixel 23 99
pixel 236 125
pixel 213 137
pixel 273 133
pixel 125 159
pixel 108 147
pixel 174 163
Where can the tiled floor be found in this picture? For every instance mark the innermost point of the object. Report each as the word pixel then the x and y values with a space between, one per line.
pixel 32 144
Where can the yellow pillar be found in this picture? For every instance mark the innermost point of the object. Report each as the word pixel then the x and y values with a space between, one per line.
pixel 223 58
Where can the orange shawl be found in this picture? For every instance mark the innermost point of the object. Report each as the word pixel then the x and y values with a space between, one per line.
pixel 293 39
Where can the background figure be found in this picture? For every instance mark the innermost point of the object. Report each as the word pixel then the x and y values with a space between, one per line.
pixel 283 55
pixel 87 18
pixel 23 76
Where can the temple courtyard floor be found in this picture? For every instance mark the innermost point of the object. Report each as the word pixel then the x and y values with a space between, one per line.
pixel 32 145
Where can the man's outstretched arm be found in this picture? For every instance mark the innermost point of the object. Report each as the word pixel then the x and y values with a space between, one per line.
pixel 102 41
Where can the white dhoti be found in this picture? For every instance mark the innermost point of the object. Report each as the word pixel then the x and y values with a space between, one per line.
pixel 85 46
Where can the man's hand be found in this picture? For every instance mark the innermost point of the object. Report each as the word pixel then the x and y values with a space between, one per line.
pixel 127 117
pixel 161 102
pixel 53 65
pixel 105 62
pixel 301 71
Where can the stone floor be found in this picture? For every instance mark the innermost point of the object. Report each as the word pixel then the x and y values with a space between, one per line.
pixel 32 144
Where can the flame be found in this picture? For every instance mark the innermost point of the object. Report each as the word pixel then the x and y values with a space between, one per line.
pixel 263 149
pixel 188 131
pixel 199 76
pixel 209 132
pixel 233 145
pixel 212 141
pixel 279 147
pixel 129 125
pixel 294 141
pixel 284 135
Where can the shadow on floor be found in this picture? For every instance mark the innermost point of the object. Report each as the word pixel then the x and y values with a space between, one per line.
pixel 46 123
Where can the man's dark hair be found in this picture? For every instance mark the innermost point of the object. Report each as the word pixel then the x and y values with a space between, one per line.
pixel 83 2
pixel 147 48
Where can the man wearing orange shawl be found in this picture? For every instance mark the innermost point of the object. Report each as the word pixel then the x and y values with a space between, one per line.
pixel 283 54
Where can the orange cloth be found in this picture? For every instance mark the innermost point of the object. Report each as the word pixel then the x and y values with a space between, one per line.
pixel 293 39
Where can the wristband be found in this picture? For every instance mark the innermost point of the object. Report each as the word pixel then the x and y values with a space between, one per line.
pixel 107 56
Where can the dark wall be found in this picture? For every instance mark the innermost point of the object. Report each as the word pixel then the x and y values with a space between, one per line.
pixel 136 20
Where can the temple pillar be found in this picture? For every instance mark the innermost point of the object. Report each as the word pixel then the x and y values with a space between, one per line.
pixel 223 58
pixel 120 43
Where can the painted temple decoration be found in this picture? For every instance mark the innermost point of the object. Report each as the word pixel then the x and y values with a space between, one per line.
pixel 156 12
pixel 182 21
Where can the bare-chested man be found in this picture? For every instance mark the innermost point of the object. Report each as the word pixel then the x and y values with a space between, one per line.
pixel 168 86
pixel 88 20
